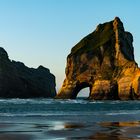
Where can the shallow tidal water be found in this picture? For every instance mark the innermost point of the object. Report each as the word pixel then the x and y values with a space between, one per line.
pixel 50 119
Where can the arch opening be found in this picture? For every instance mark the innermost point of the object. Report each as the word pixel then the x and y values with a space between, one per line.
pixel 82 90
pixel 84 93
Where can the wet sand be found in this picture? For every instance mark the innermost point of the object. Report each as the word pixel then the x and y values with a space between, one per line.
pixel 70 130
pixel 45 119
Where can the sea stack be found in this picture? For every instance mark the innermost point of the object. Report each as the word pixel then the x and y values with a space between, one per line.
pixel 104 62
pixel 19 81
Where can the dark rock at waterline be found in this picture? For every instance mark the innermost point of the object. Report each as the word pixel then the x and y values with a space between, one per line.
pixel 19 81
pixel 104 62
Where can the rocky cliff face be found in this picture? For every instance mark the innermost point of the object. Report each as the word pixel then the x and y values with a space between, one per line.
pixel 19 81
pixel 104 62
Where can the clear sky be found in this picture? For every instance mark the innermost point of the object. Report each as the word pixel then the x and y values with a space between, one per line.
pixel 42 32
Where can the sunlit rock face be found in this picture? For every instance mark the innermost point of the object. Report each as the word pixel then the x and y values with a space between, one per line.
pixel 104 62
pixel 19 81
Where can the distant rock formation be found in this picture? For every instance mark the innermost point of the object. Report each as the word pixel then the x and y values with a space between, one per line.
pixel 104 62
pixel 19 81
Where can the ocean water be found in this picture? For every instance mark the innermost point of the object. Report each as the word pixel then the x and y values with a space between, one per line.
pixel 50 119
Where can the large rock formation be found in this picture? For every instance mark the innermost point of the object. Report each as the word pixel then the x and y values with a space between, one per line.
pixel 19 81
pixel 104 62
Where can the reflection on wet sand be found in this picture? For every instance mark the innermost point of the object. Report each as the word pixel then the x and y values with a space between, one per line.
pixel 71 130
pixel 72 125
pixel 99 131
pixel 120 131
pixel 121 124
pixel 104 136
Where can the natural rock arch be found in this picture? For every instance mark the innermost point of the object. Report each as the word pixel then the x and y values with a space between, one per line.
pixel 104 60
pixel 79 87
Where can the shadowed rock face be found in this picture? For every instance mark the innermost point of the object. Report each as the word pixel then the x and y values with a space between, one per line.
pixel 19 81
pixel 104 62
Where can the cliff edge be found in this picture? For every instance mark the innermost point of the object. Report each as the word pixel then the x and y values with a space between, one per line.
pixel 19 81
pixel 104 62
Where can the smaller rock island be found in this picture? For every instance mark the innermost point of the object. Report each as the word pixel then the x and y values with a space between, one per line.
pixel 19 81
pixel 104 62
